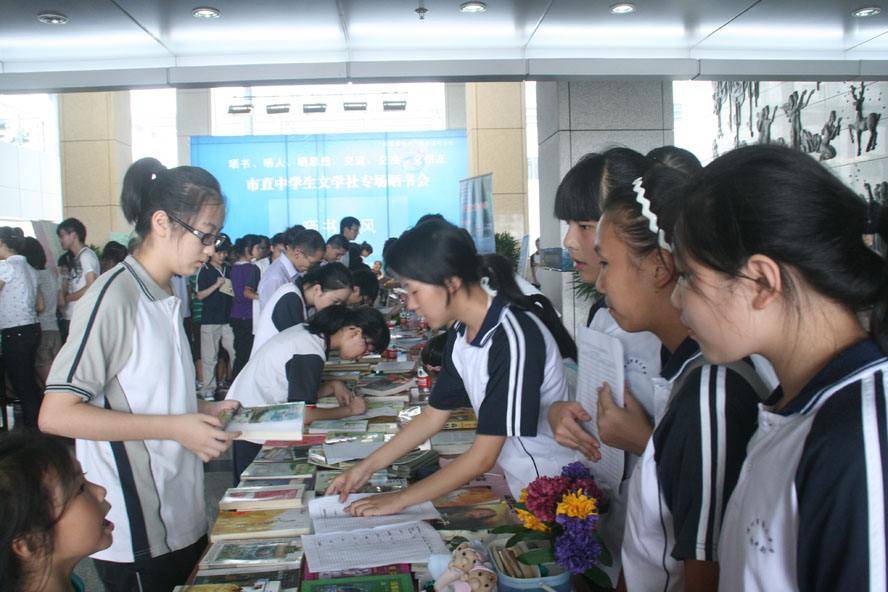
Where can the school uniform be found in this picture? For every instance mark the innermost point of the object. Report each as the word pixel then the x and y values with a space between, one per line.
pixel 287 368
pixel 128 352
pixel 510 374
pixel 262 265
pixel 704 416
pixel 285 308
pixel 214 325
pixel 808 512
pixel 280 272
pixel 21 332
pixel 85 262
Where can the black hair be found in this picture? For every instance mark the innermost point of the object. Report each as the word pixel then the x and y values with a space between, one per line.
pixel 662 187
pixel 33 252
pixel 66 259
pixel 13 237
pixel 436 250
pixel 332 276
pixel 148 187
pixel 427 217
pixel 348 222
pixel 114 251
pixel 365 246
pixel 386 247
pixel 433 352
pixel 367 283
pixel 307 241
pixel 676 158
pixel 296 228
pixel 34 469
pixel 783 204
pixel 73 225
pixel 589 181
pixel 369 320
pixel 337 241
pixel 277 239
pixel 244 245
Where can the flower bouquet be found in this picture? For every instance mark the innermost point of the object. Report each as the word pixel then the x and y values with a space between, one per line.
pixel 564 511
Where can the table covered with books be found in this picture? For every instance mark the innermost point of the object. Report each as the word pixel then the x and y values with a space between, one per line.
pixel 277 531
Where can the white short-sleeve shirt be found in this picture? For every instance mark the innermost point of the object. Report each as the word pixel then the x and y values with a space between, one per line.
pixel 18 298
pixel 85 262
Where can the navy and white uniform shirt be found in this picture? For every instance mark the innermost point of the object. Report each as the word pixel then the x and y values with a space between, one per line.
pixel 809 510
pixel 286 308
pixel 509 374
pixel 704 417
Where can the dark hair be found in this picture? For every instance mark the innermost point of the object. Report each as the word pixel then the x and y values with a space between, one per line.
pixel 114 251
pixel 369 320
pixel 332 276
pixel 386 247
pixel 296 228
pixel 277 239
pixel 348 222
pixel 437 250
pixel 32 466
pixel 676 158
pixel 13 238
pixel 662 188
pixel 148 187
pixel 589 181
pixel 244 245
pixel 367 283
pixel 66 259
pixel 427 217
pixel 73 225
pixel 433 352
pixel 337 241
pixel 783 204
pixel 307 241
pixel 365 246
pixel 33 252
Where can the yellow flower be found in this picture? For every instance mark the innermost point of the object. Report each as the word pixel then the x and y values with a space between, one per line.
pixel 576 505
pixel 523 497
pixel 530 521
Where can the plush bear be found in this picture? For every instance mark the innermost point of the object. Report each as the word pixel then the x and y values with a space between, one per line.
pixel 464 558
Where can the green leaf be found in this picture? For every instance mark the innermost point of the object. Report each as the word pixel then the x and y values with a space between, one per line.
pixel 605 558
pixel 527 536
pixel 598 577
pixel 509 529
pixel 536 557
pixel 520 506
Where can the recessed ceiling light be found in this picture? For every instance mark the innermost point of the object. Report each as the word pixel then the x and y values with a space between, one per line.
pixel 394 105
pixel 354 106
pixel 866 11
pixel 473 7
pixel 206 12
pixel 240 109
pixel 277 108
pixel 49 17
pixel 314 107
pixel 623 8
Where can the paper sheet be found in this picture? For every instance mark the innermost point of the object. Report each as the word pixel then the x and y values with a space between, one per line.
pixel 408 542
pixel 328 515
pixel 601 360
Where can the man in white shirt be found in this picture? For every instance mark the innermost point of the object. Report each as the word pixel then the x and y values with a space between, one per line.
pixel 85 267
pixel 301 249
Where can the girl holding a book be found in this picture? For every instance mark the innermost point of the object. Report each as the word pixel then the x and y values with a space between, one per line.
pixel 503 358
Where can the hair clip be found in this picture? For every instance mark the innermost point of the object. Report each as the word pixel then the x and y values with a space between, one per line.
pixel 485 285
pixel 647 213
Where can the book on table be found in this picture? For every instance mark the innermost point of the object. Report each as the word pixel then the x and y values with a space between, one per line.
pixel 272 470
pixel 385 384
pixel 283 421
pixel 396 366
pixel 337 425
pixel 260 524
pixel 252 579
pixel 272 553
pixel 452 441
pixel 262 498
pixel 461 419
pixel 383 570
pixel 386 583
pixel 346 446
pixel 282 454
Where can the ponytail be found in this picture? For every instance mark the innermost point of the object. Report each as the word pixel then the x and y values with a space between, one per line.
pixel 369 320
pixel 501 278
pixel 332 276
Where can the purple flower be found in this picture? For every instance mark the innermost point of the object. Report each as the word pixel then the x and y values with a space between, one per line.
pixel 577 549
pixel 576 470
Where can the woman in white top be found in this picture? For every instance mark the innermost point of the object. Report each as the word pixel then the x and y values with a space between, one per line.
pixel 20 301
pixel 123 384
pixel 48 285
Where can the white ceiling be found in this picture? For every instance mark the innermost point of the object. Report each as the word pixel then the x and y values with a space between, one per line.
pixel 137 43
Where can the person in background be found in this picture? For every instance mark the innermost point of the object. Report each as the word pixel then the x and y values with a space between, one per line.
pixel 112 254
pixel 261 249
pixel 276 248
pixel 534 264
pixel 63 265
pixel 179 284
pixel 301 249
pixel 377 269
pixel 48 284
pixel 337 246
pixel 123 385
pixel 365 287
pixel 20 301
pixel 366 250
pixel 245 279
pixel 85 267
pixel 214 291
pixel 349 227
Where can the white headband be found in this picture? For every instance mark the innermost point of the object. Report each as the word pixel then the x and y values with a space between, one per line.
pixel 647 213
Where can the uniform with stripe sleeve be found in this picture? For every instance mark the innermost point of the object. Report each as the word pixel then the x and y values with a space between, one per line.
pixel 704 417
pixel 809 510
pixel 284 309
pixel 510 373
pixel 127 352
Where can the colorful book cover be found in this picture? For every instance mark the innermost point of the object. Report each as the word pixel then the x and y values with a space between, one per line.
pixel 271 470
pixel 250 579
pixel 258 586
pixel 462 419
pixel 307 440
pixel 268 553
pixel 338 425
pixel 260 524
pixel 282 454
pixel 476 517
pixel 384 570
pixel 385 384
pixel 262 498
pixel 284 420
pixel 396 583
pixel 285 482
pixel 466 496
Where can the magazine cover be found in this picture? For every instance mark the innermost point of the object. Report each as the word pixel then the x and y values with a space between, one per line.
pixel 262 498
pixel 476 517
pixel 281 421
pixel 271 470
pixel 281 552
pixel 396 583
pixel 260 524
pixel 251 579
pixel 385 384
pixel 466 496
pixel 338 425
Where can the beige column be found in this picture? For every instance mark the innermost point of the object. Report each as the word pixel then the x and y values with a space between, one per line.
pixel 495 126
pixel 96 149
pixel 193 118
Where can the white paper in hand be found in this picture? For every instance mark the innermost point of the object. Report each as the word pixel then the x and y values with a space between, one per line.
pixel 601 360
pixel 328 514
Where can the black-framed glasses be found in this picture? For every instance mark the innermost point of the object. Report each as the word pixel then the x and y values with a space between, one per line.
pixel 207 239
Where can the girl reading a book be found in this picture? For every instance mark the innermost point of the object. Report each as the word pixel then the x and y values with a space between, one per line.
pixel 290 366
pixel 123 384
pixel 704 414
pixel 503 358
pixel 773 259
pixel 51 516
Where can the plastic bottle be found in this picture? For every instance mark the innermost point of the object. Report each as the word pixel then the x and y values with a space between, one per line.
pixel 423 380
